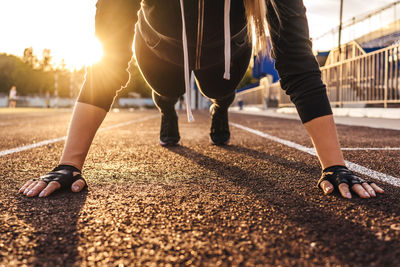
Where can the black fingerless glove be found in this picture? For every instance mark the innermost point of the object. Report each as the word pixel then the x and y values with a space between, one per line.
pixel 64 175
pixel 337 175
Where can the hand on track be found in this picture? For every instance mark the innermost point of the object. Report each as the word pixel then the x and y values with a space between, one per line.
pixel 33 188
pixel 344 181
pixel 63 176
pixel 364 190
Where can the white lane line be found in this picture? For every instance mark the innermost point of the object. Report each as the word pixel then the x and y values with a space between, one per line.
pixel 22 148
pixel 351 165
pixel 59 139
pixel 371 148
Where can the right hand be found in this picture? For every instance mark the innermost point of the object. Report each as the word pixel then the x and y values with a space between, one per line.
pixel 34 188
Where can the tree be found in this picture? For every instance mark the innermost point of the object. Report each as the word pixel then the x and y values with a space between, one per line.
pixel 46 63
pixel 22 73
pixel 29 57
pixel 7 64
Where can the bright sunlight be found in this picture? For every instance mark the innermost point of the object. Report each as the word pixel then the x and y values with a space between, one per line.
pixel 64 27
pixel 84 53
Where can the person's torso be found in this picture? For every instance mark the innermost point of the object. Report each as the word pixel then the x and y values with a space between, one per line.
pixel 160 23
pixel 202 17
pixel 13 93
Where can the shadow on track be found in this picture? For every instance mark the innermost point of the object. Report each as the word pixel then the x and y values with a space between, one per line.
pixel 387 203
pixel 54 221
pixel 328 221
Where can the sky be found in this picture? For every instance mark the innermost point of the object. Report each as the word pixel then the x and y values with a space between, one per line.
pixel 64 26
pixel 323 15
pixel 67 26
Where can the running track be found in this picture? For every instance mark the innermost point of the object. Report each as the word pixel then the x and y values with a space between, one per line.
pixel 251 203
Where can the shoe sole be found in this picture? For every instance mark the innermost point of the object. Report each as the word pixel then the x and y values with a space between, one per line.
pixel 220 144
pixel 170 143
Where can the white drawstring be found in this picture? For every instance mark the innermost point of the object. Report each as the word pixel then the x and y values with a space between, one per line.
pixel 227 34
pixel 227 40
pixel 186 67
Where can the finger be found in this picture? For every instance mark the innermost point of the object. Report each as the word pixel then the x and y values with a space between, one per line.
pixel 22 189
pixel 344 190
pixel 327 187
pixel 50 188
pixel 377 188
pixel 78 185
pixel 32 185
pixel 359 190
pixel 40 185
pixel 369 189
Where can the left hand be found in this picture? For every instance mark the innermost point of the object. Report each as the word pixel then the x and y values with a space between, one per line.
pixel 344 180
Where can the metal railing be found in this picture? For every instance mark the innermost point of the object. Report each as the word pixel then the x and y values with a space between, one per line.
pixel 347 51
pixel 370 78
pixel 253 97
pixel 262 96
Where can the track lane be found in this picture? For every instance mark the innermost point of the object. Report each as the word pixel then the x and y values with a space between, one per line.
pixel 253 202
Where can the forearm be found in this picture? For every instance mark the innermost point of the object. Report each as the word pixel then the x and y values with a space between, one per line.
pixel 322 131
pixel 85 121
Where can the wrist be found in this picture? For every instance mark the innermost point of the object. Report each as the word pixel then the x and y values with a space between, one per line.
pixel 70 166
pixel 334 168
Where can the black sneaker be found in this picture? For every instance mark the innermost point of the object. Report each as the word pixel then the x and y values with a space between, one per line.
pixel 169 132
pixel 219 133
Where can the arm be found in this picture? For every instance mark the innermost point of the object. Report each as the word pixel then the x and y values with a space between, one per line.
pixel 114 27
pixel 301 79
pixel 115 21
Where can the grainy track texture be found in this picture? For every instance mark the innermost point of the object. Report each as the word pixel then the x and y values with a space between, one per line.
pixel 251 203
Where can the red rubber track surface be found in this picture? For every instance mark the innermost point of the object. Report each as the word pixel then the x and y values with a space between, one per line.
pixel 253 202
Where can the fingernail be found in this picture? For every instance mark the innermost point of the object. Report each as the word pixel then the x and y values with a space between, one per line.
pixel 348 195
pixel 30 193
pixel 75 188
pixel 42 194
pixel 327 189
pixel 372 193
pixel 26 191
pixel 366 194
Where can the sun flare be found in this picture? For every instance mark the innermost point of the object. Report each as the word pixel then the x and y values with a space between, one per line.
pixel 85 53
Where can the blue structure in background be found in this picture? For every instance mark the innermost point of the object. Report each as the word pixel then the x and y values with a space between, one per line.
pixel 383 41
pixel 372 49
pixel 264 66
pixel 248 87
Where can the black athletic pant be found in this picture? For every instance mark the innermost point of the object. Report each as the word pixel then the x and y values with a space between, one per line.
pixel 167 79
pixel 115 25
